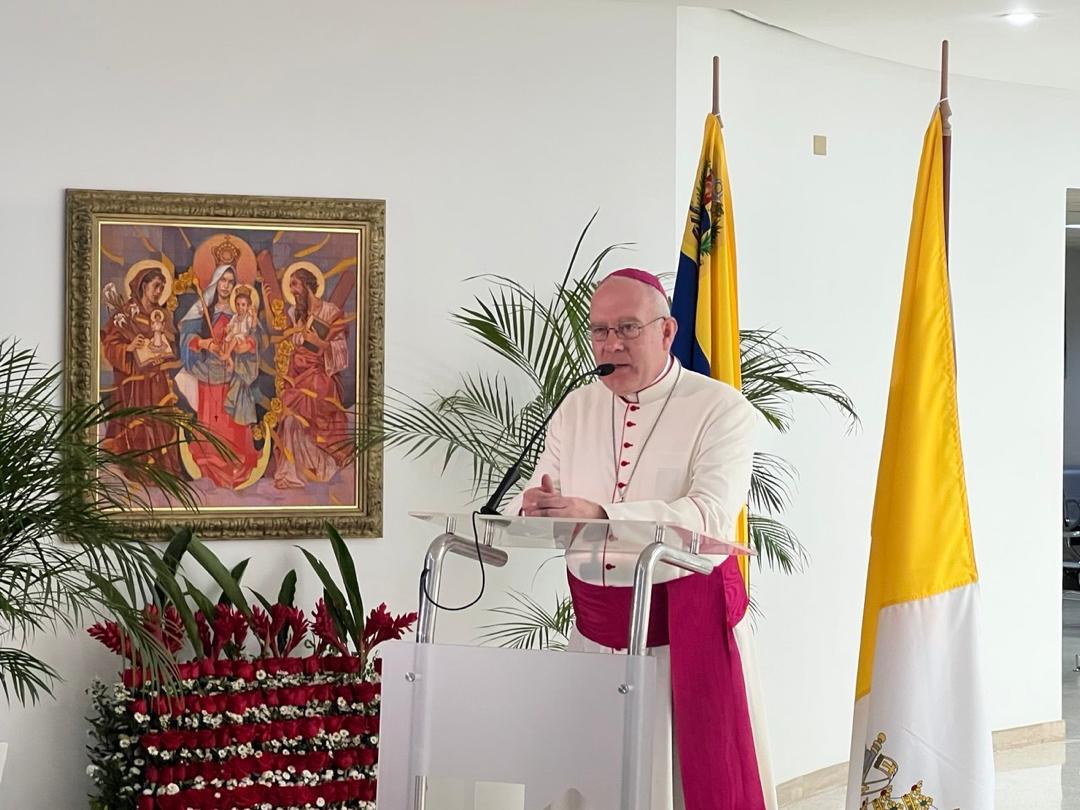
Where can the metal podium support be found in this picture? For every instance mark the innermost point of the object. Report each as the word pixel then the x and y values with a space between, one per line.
pixel 648 559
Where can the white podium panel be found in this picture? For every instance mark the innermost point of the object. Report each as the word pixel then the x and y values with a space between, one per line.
pixel 477 728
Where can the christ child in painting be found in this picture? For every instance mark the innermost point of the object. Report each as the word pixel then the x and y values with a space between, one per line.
pixel 242 324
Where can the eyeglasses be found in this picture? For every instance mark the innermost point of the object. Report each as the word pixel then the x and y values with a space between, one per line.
pixel 624 331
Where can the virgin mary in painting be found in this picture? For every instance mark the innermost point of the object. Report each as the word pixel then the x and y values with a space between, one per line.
pixel 218 376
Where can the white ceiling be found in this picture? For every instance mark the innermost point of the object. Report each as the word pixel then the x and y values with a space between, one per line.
pixel 910 31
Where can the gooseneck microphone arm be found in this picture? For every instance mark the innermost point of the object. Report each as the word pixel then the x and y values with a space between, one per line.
pixel 514 473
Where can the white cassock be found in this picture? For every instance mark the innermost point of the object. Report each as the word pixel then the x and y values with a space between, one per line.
pixel 680 451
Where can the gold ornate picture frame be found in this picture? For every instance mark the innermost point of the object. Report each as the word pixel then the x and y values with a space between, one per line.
pixel 262 318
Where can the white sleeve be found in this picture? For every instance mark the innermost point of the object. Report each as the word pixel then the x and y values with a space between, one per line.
pixel 719 479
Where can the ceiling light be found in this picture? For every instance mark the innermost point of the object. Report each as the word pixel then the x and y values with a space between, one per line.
pixel 1019 17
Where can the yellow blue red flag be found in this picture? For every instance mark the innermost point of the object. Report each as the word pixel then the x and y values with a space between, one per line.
pixel 706 300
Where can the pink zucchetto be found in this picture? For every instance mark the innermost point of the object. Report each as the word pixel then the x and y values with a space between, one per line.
pixel 644 276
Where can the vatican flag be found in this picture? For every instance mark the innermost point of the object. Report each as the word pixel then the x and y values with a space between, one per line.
pixel 920 735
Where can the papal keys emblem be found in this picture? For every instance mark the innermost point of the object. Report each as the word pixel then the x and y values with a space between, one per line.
pixel 878 773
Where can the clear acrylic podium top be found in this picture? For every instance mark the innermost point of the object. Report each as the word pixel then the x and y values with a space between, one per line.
pixel 598 551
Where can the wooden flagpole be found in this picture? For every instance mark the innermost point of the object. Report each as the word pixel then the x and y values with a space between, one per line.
pixel 946 134
pixel 716 89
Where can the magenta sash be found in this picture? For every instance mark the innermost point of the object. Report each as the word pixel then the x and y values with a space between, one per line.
pixel 695 615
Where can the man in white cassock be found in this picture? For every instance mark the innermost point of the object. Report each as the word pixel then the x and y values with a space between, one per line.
pixel 652 441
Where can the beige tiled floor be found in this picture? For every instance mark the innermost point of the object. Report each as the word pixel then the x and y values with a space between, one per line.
pixel 1038 777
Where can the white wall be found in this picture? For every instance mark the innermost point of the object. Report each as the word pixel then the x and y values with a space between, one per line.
pixel 492 130
pixel 821 252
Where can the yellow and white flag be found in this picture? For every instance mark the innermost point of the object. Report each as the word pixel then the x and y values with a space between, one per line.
pixel 920 735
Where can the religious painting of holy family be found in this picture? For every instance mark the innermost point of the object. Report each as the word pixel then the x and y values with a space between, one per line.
pixel 259 318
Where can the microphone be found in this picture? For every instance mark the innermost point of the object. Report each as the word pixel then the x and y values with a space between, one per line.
pixel 514 473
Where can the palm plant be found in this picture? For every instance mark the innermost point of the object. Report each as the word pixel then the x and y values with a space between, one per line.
pixel 62 557
pixel 546 344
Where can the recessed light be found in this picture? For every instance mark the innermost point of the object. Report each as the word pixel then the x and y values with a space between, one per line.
pixel 1019 17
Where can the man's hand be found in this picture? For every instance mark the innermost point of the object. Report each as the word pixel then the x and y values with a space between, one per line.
pixel 546 501
pixel 136 343
pixel 312 337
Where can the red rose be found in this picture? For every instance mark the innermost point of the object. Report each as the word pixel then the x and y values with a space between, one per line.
pixel 244 734
pixel 367 756
pixel 245 670
pixel 171 740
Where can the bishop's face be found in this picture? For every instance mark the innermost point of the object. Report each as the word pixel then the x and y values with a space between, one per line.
pixel 624 305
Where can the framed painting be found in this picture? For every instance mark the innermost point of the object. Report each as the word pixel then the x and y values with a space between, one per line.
pixel 261 318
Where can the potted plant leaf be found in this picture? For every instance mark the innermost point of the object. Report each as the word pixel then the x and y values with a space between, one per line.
pixel 539 345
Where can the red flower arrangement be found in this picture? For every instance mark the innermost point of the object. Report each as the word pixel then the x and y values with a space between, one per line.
pixel 242 730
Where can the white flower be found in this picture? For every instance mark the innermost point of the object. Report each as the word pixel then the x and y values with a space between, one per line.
pixel 320 802
pixel 91 770
pixel 125 741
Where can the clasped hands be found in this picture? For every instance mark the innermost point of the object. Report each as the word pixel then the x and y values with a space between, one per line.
pixel 546 501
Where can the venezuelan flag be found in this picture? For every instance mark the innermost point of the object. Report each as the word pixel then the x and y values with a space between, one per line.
pixel 920 733
pixel 706 300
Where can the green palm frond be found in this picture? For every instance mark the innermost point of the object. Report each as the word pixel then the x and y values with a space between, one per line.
pixel 545 340
pixel 772 372
pixel 63 560
pixel 777 545
pixel 771 484
pixel 530 625
pixel 23 677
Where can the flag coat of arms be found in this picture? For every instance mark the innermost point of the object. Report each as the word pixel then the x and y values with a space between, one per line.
pixel 920 734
